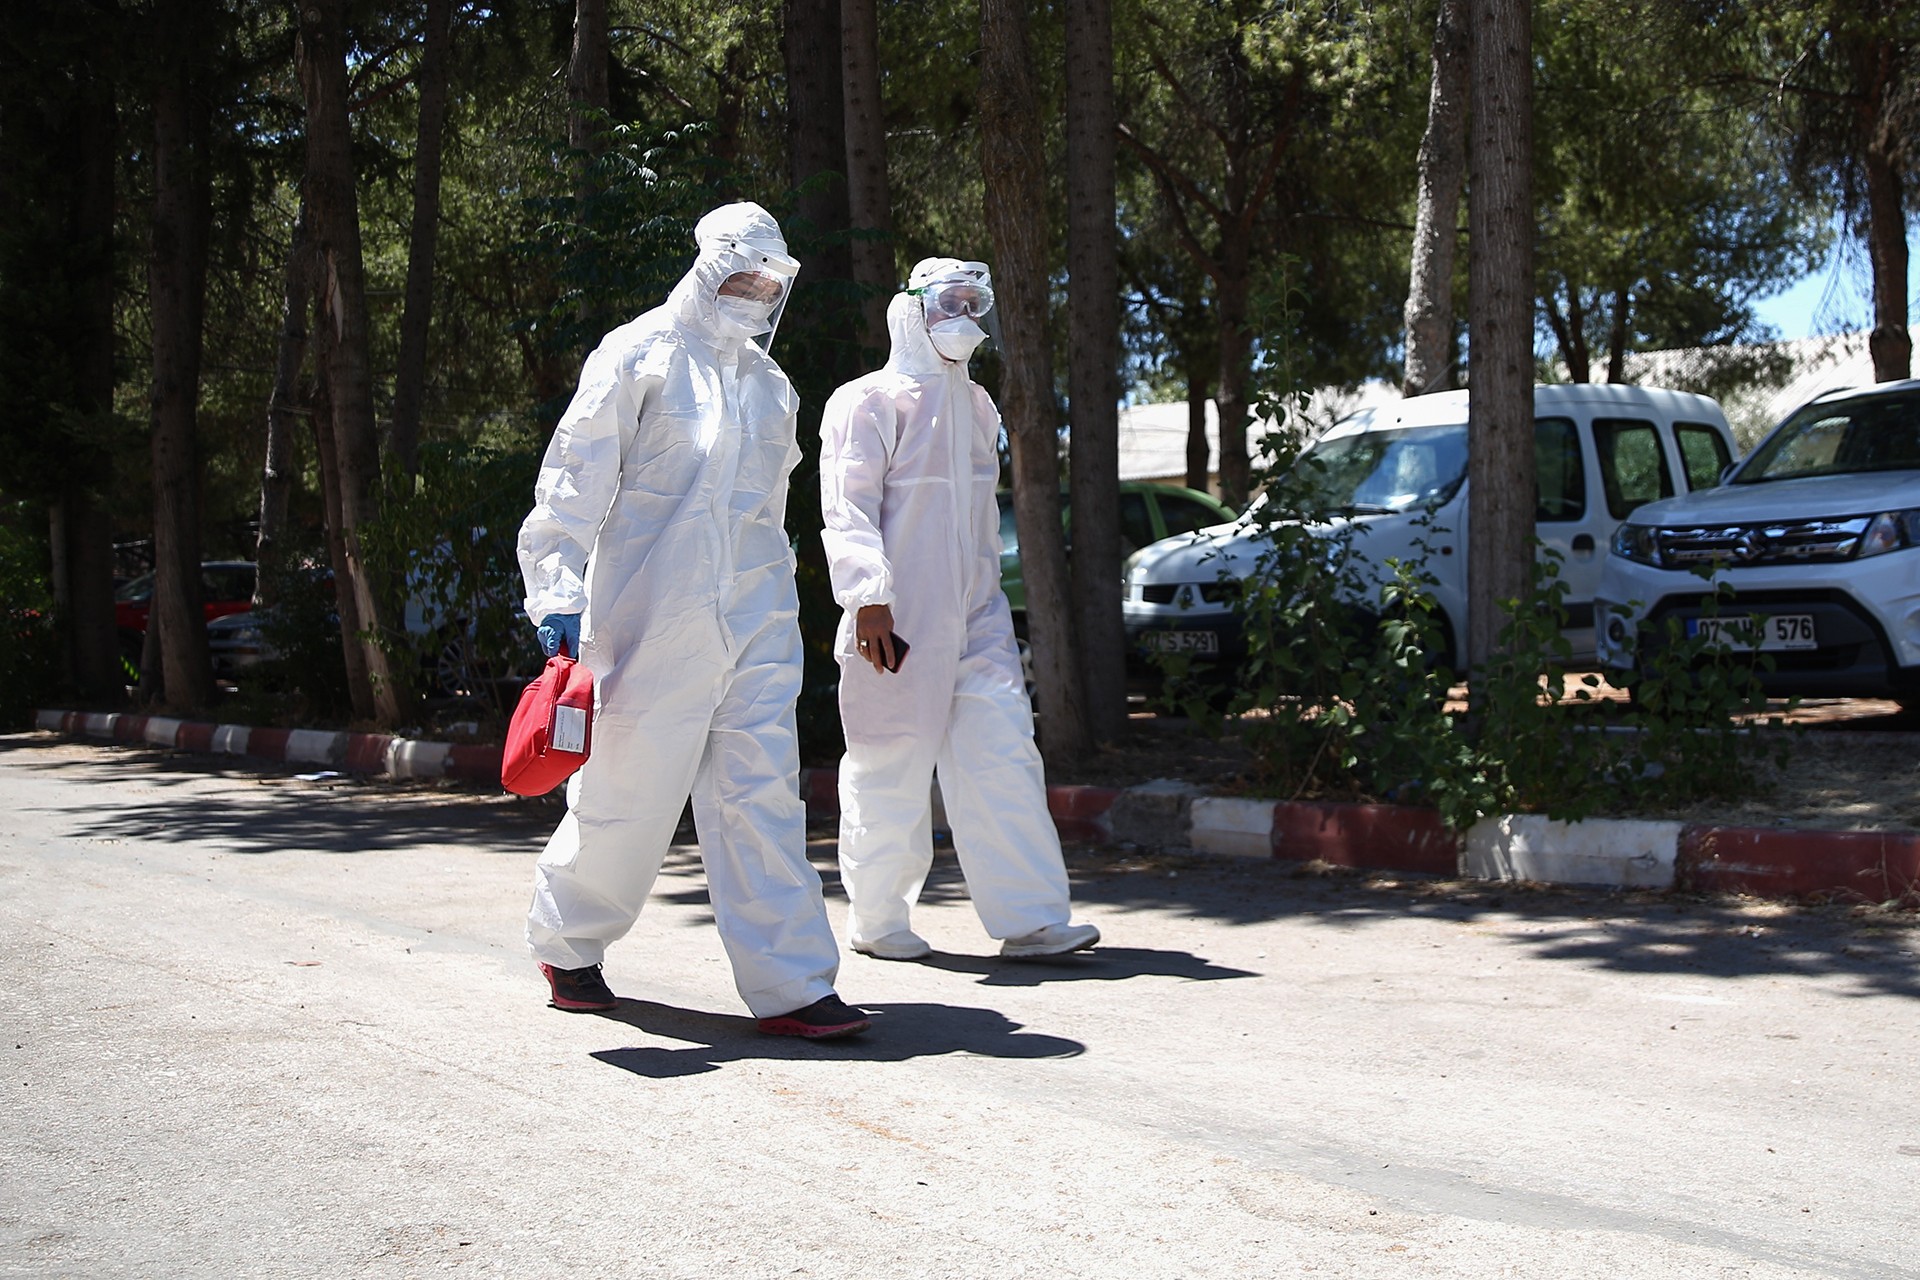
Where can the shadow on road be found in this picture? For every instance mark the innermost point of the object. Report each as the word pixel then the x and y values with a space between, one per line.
pixel 156 803
pixel 900 1032
pixel 1102 964
pixel 1637 932
pixel 1624 931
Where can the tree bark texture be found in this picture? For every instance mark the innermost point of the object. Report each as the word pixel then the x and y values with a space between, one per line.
pixel 332 204
pixel 1617 332
pixel 284 411
pixel 81 537
pixel 84 582
pixel 1012 163
pixel 1500 465
pixel 869 206
pixel 587 93
pixel 1199 383
pixel 416 317
pixel 1443 160
pixel 1093 380
pixel 182 676
pixel 1890 343
pixel 346 603
pixel 817 142
pixel 588 100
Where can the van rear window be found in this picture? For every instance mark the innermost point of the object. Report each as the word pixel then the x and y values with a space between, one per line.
pixel 1560 470
pixel 1633 466
pixel 1703 452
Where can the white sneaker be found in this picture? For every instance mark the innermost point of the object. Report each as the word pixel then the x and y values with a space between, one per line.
pixel 1054 940
pixel 904 945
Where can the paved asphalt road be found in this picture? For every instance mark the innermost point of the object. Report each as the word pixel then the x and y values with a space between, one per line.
pixel 255 1026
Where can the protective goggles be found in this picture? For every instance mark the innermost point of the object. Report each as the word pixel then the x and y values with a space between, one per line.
pixel 949 299
pixel 756 286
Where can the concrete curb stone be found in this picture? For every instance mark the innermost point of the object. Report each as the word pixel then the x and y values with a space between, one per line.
pixel 1861 866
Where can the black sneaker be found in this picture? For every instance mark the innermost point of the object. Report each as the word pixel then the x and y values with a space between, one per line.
pixel 825 1019
pixel 579 990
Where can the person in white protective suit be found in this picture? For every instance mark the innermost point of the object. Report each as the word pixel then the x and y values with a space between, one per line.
pixel 909 463
pixel 656 553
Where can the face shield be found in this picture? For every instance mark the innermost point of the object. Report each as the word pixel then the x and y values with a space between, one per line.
pixel 954 302
pixel 752 295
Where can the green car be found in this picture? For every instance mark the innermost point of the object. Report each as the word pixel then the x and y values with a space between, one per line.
pixel 1148 513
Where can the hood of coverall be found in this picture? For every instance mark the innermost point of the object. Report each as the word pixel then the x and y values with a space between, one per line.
pixel 913 351
pixel 739 238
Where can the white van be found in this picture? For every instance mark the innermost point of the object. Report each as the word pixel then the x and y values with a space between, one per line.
pixel 1397 476
pixel 1818 533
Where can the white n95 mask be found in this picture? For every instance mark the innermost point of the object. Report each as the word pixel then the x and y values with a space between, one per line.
pixel 956 338
pixel 743 317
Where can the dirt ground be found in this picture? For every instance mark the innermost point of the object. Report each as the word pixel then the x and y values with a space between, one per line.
pixel 1852 765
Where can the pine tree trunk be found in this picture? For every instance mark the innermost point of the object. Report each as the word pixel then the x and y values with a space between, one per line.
pixel 588 70
pixel 1500 466
pixel 93 645
pixel 346 604
pixel 817 147
pixel 416 318
pixel 333 205
pixel 1198 453
pixel 869 207
pixel 182 675
pixel 1012 162
pixel 271 552
pixel 1236 354
pixel 1891 342
pixel 1093 382
pixel 1443 161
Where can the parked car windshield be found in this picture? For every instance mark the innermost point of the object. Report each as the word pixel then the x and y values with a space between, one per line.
pixel 1868 433
pixel 1377 471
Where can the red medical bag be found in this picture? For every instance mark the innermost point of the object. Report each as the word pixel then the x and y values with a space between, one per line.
pixel 551 730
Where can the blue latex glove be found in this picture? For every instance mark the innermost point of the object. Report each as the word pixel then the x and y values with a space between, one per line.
pixel 557 630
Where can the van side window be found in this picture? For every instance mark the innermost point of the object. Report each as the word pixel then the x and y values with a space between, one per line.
pixel 1633 467
pixel 1561 472
pixel 1703 452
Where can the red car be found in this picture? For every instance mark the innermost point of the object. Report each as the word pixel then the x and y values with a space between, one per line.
pixel 226 586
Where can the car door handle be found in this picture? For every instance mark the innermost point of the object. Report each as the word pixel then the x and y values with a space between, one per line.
pixel 1583 542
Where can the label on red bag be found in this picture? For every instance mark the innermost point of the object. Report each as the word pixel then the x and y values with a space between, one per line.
pixel 569 729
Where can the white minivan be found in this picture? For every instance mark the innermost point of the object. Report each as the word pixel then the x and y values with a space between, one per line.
pixel 1396 477
pixel 1818 533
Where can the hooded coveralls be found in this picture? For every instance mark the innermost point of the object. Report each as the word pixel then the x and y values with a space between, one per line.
pixel 658 514
pixel 908 469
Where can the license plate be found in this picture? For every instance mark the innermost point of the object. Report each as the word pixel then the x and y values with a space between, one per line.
pixel 1182 641
pixel 1772 631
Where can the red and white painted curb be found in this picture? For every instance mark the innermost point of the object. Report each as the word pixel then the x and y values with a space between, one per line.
pixel 1861 866
pixel 370 753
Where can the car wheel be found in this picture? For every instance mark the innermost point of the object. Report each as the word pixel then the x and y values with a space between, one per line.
pixel 450 663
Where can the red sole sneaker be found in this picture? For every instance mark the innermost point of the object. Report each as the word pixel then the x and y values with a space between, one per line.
pixel 570 1003
pixel 788 1025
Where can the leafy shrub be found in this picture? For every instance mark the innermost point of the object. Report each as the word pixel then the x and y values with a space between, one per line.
pixel 29 645
pixel 1344 692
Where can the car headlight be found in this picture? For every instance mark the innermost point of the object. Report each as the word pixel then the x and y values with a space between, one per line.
pixel 1636 542
pixel 1889 531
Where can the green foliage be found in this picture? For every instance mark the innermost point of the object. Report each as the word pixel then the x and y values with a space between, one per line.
pixel 29 670
pixel 1665 210
pixel 1345 689
pixel 450 545
pixel 303 679
pixel 616 248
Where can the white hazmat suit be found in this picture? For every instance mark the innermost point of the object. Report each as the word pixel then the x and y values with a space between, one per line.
pixel 909 464
pixel 658 517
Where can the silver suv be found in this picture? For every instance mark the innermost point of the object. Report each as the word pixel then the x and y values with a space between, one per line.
pixel 1818 533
